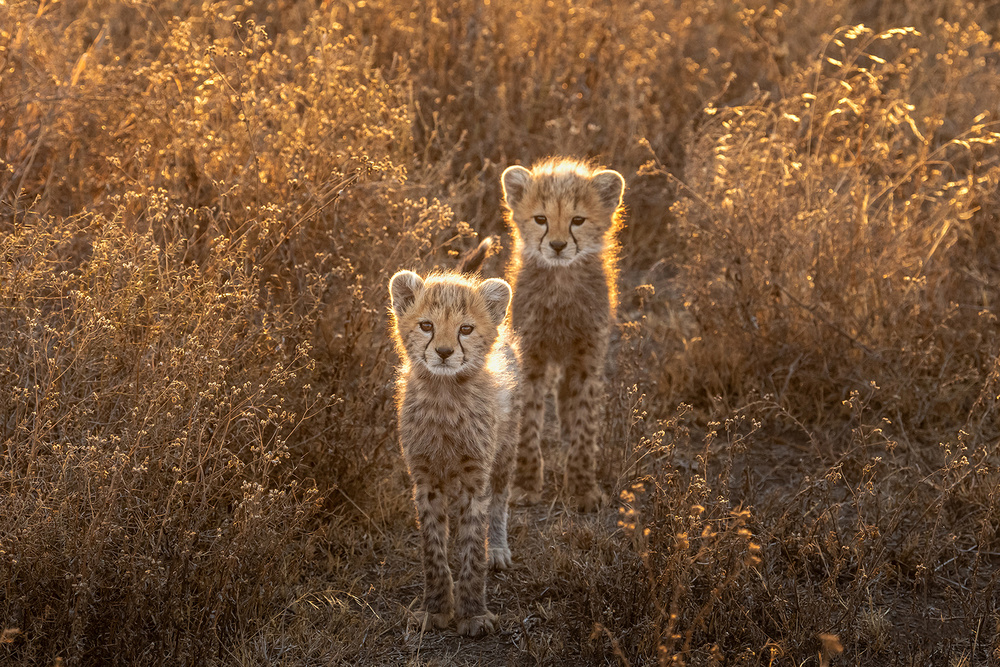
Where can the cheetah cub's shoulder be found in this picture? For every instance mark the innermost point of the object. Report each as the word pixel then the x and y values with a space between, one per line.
pixel 564 215
pixel 459 413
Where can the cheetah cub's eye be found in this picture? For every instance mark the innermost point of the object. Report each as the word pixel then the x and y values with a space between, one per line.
pixel 577 220
pixel 466 329
pixel 541 219
pixel 426 326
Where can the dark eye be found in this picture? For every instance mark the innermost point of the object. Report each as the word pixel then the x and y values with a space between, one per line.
pixel 541 219
pixel 577 221
pixel 426 326
pixel 466 329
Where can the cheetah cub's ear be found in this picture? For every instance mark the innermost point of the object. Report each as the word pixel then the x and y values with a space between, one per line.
pixel 496 293
pixel 403 289
pixel 515 182
pixel 610 186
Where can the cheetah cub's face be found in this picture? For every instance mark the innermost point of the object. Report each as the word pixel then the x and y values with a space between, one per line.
pixel 447 324
pixel 563 209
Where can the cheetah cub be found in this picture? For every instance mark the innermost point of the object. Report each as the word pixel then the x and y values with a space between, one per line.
pixel 459 414
pixel 563 215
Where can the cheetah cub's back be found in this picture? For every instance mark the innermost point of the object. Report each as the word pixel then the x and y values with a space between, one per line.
pixel 459 412
pixel 564 215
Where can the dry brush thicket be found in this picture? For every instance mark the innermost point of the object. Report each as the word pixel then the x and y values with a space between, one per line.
pixel 200 206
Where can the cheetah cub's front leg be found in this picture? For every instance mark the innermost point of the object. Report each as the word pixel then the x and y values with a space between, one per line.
pixel 432 513
pixel 530 471
pixel 470 604
pixel 579 399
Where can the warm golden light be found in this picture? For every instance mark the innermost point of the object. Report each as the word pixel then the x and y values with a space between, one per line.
pixel 201 207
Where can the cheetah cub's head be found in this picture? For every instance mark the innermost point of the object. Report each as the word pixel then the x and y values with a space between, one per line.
pixel 563 209
pixel 448 323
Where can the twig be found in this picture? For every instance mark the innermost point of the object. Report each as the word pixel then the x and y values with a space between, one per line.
pixel 812 311
pixel 246 123
pixel 363 513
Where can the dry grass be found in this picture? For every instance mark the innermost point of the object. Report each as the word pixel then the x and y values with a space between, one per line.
pixel 200 205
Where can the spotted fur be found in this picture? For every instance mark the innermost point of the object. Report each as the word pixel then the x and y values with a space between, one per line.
pixel 459 411
pixel 564 215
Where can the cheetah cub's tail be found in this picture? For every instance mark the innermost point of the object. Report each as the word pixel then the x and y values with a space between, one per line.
pixel 472 262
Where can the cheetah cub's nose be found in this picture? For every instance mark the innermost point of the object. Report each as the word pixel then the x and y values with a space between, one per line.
pixel 557 245
pixel 443 352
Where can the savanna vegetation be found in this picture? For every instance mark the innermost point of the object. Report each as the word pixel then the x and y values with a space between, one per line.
pixel 200 207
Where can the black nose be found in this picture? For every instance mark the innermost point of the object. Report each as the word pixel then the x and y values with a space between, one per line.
pixel 444 352
pixel 557 245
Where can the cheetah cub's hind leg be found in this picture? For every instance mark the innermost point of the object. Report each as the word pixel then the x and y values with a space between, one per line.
pixel 499 552
pixel 503 467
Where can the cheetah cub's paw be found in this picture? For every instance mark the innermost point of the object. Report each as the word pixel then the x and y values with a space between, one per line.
pixel 591 499
pixel 529 479
pixel 430 621
pixel 520 496
pixel 477 626
pixel 499 558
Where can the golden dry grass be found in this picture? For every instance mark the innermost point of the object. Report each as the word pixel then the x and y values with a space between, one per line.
pixel 200 206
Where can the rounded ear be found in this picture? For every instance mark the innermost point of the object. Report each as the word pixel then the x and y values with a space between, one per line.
pixel 610 186
pixel 496 293
pixel 403 290
pixel 515 184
